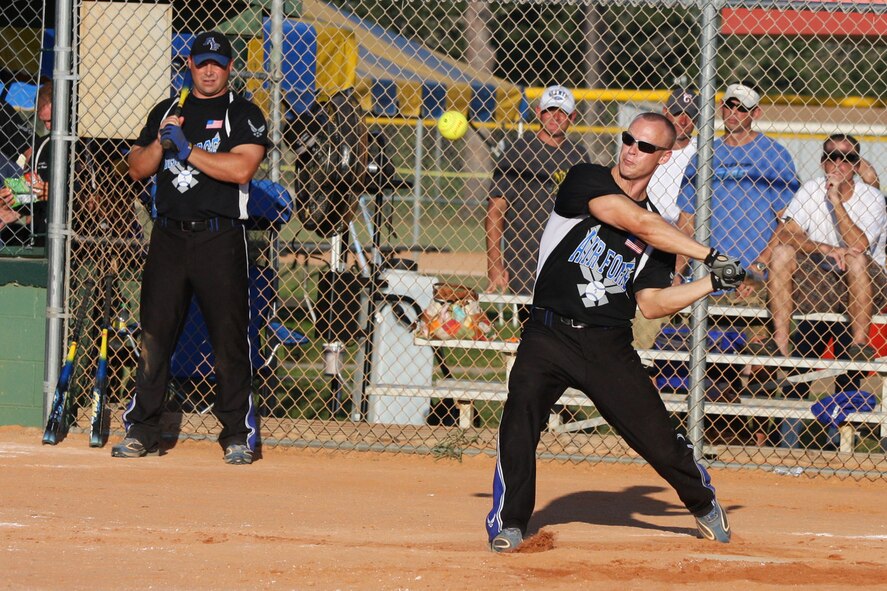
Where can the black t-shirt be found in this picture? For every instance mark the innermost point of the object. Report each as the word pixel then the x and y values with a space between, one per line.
pixel 183 192
pixel 15 133
pixel 527 176
pixel 42 165
pixel 589 270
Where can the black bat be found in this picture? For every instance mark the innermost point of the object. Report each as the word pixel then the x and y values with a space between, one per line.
pixel 177 110
pixel 55 424
pixel 100 390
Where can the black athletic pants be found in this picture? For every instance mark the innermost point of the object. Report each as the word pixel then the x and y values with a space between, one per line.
pixel 211 264
pixel 601 363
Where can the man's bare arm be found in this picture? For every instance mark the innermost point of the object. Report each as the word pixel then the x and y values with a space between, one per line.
pixel 237 166
pixel 494 224
pixel 658 303
pixel 623 213
pixel 144 160
pixel 850 233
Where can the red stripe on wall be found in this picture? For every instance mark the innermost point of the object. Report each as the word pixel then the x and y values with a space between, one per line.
pixel 759 21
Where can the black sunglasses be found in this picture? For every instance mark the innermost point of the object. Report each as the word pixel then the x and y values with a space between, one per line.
pixel 645 147
pixel 837 156
pixel 737 106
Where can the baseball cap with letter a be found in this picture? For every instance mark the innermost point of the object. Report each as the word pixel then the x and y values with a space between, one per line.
pixel 211 46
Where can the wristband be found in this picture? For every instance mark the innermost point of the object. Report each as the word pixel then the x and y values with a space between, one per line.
pixel 712 256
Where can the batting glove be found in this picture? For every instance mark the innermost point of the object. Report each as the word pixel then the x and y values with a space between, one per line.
pixel 726 273
pixel 175 135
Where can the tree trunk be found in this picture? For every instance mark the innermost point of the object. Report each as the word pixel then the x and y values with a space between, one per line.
pixel 594 29
pixel 480 55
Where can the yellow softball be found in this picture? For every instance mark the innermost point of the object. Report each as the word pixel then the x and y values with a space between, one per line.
pixel 452 125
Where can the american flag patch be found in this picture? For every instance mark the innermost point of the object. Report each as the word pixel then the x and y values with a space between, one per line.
pixel 214 124
pixel 635 244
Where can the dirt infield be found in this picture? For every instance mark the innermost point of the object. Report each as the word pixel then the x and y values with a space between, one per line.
pixel 74 518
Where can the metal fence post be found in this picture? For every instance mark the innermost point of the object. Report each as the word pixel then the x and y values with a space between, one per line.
pixel 699 317
pixel 57 228
pixel 417 180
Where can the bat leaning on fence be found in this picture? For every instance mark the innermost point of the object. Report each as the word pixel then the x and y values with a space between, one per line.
pixel 100 389
pixel 55 424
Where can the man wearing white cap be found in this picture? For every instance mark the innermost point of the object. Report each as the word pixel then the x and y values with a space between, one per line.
pixel 522 191
pixel 754 180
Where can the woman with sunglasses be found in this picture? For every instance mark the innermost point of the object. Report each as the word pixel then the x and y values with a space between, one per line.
pixel 605 252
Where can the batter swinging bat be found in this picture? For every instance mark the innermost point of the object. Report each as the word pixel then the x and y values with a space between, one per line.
pixel 177 110
pixel 55 424
pixel 100 390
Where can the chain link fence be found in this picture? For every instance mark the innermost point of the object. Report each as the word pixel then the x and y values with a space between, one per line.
pixel 376 318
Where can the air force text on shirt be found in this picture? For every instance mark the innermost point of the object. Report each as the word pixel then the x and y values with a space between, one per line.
pixel 611 265
pixel 210 145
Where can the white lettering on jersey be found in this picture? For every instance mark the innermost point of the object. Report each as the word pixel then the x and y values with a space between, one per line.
pixel 210 145
pixel 609 275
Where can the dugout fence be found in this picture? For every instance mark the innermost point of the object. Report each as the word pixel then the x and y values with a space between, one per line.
pixel 347 261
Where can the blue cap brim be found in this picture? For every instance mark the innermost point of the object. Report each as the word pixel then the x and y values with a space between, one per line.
pixel 211 57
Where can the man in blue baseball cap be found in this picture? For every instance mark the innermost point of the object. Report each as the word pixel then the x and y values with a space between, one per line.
pixel 202 160
pixel 213 46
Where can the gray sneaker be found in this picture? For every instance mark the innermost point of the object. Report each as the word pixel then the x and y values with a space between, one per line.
pixel 713 525
pixel 131 447
pixel 507 540
pixel 238 454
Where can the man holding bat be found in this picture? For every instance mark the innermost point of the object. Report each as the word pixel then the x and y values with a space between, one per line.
pixel 604 253
pixel 198 245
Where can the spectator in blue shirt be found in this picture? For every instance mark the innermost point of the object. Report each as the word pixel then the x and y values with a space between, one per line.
pixel 754 180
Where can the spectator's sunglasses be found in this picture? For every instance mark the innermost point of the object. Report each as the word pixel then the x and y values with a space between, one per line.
pixel 645 147
pixel 837 157
pixel 735 105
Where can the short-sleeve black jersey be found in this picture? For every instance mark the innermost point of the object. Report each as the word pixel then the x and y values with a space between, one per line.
pixel 217 124
pixel 588 270
pixel 15 133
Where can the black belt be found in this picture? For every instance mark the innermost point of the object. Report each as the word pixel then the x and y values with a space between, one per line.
pixel 550 317
pixel 212 224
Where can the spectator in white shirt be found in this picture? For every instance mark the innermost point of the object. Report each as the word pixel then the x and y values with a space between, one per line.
pixel 828 255
pixel 682 109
